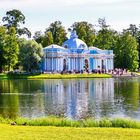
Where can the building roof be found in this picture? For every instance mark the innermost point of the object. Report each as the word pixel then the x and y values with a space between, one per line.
pixel 53 46
pixel 74 42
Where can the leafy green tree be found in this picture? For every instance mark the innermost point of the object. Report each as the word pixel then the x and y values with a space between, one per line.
pixel 30 54
pixel 85 32
pixel 135 32
pixel 54 34
pixel 8 48
pixel 11 48
pixel 14 18
pixel 2 46
pixel 126 54
pixel 57 31
pixel 38 37
pixel 47 39
pixel 106 37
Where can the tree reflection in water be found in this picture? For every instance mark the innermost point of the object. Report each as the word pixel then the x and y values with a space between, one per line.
pixel 71 98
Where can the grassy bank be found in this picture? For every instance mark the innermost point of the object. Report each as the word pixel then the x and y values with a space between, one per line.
pixel 138 73
pixel 62 122
pixel 8 132
pixel 53 128
pixel 53 76
pixel 3 76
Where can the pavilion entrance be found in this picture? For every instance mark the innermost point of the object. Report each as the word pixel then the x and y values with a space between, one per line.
pixel 102 64
pixel 64 65
pixel 86 65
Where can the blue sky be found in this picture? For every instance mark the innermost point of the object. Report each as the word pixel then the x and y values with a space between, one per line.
pixel 40 13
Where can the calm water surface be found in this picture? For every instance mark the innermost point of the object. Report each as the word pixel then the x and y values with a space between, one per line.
pixel 75 98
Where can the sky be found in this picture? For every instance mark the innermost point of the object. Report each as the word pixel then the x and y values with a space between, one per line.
pixel 40 13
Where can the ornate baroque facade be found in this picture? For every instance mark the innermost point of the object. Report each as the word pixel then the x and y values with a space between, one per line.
pixel 75 56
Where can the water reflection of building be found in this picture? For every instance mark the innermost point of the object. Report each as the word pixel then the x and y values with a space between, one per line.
pixel 54 97
pixel 78 98
pixel 65 98
pixel 101 97
pixel 75 98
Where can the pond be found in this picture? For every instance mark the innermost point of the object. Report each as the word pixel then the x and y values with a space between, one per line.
pixel 71 98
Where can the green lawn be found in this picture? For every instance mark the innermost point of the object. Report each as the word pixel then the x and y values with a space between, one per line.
pixel 8 132
pixel 54 76
pixel 68 76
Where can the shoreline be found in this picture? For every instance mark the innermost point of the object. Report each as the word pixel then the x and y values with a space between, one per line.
pixel 64 76
pixel 53 76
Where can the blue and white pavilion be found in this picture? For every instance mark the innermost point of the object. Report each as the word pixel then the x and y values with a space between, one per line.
pixel 75 56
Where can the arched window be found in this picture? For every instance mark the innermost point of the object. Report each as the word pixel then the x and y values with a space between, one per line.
pixel 66 46
pixel 82 46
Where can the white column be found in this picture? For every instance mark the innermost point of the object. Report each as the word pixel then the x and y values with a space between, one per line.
pixel 109 64
pixel 72 64
pixel 48 67
pixel 76 64
pixel 105 61
pixel 45 64
pixel 95 63
pixel 59 64
pixel 79 63
pixel 56 64
pixel 82 61
pixel 112 67
pixel 68 64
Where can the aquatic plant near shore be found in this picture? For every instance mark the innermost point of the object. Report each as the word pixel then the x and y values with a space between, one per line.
pixel 63 122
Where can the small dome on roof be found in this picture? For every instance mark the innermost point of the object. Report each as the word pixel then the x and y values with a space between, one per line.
pixel 74 42
pixel 53 46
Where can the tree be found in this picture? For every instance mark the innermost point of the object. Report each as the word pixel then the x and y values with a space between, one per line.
pixel 2 46
pixel 14 18
pixel 38 37
pixel 30 54
pixel 8 48
pixel 54 34
pixel 106 37
pixel 126 54
pixel 57 31
pixel 11 48
pixel 135 32
pixel 85 32
pixel 47 39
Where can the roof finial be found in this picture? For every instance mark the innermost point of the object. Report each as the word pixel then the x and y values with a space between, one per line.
pixel 73 34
